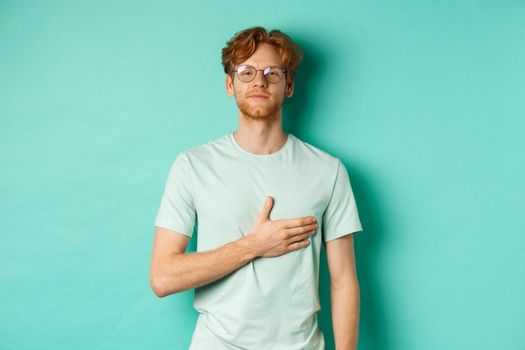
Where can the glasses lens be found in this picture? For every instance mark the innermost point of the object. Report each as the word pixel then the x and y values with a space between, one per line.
pixel 246 73
pixel 274 74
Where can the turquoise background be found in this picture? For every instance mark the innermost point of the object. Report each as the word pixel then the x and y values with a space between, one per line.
pixel 422 100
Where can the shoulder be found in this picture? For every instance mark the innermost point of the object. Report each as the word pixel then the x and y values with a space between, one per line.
pixel 203 153
pixel 317 156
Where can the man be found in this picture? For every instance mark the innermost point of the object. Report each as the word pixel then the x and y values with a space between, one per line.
pixel 264 202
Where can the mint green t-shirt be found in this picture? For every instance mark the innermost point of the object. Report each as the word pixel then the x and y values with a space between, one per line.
pixel 269 303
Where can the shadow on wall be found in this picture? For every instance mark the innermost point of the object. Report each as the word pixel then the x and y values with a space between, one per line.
pixel 320 58
pixel 295 108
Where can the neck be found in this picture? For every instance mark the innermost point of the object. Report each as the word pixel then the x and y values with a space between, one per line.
pixel 260 137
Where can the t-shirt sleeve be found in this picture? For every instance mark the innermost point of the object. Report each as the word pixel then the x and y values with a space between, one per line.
pixel 341 216
pixel 177 210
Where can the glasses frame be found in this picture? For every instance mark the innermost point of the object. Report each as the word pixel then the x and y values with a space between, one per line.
pixel 262 70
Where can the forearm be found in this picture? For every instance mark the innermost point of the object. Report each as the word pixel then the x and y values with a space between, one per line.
pixel 190 270
pixel 345 315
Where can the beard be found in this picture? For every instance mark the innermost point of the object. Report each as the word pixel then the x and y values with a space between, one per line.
pixel 255 109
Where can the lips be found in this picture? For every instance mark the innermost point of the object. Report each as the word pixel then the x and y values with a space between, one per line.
pixel 259 95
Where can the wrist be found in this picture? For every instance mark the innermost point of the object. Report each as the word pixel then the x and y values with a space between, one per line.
pixel 248 246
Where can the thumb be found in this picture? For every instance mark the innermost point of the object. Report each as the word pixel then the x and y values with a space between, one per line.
pixel 267 207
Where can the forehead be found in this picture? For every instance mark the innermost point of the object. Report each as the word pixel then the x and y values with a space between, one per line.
pixel 265 55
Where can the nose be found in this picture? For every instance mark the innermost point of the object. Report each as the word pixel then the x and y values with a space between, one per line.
pixel 259 79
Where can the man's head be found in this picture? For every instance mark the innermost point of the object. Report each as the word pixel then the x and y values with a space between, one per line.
pixel 260 49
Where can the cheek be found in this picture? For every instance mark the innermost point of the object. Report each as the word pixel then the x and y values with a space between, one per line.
pixel 239 90
pixel 280 95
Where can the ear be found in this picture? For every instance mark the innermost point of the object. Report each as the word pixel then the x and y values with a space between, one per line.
pixel 289 87
pixel 229 85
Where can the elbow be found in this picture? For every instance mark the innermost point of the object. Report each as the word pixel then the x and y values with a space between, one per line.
pixel 156 286
pixel 161 283
pixel 344 283
pixel 160 288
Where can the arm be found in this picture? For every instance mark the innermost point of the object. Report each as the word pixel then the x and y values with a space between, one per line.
pixel 173 271
pixel 344 291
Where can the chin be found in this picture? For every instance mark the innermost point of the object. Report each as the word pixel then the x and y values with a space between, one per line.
pixel 256 110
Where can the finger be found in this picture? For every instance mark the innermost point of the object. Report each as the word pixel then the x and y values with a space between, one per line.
pixel 290 223
pixel 290 232
pixel 298 245
pixel 266 209
pixel 300 237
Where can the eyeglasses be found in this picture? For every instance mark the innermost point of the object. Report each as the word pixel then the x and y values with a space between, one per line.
pixel 272 74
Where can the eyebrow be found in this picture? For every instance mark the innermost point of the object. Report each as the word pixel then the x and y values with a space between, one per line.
pixel 271 65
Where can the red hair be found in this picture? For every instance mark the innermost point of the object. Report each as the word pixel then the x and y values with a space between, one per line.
pixel 244 43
